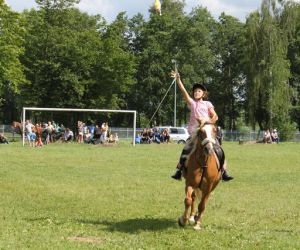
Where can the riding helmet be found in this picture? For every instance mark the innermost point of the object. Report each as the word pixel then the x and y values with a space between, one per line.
pixel 199 86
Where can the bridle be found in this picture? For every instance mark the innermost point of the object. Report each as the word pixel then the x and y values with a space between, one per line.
pixel 207 142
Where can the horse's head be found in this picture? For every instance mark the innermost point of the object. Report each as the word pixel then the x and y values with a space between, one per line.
pixel 207 135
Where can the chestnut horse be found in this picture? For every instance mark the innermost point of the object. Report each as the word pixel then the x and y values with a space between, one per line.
pixel 202 173
pixel 17 127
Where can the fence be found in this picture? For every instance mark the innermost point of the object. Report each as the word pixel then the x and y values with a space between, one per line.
pixel 127 133
pixel 234 135
pixel 7 131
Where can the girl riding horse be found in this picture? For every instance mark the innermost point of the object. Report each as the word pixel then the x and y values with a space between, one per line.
pixel 200 109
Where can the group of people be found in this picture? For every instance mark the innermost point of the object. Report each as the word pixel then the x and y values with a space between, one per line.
pixel 271 136
pixel 95 134
pixel 148 136
pixel 43 133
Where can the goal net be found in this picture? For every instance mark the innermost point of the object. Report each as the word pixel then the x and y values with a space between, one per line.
pixel 67 115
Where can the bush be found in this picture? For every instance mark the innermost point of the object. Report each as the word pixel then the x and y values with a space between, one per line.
pixel 244 132
pixel 286 131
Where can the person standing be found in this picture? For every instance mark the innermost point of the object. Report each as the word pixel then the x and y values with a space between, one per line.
pixel 38 141
pixel 29 131
pixel 104 129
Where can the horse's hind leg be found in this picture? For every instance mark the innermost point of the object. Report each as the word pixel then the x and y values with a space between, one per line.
pixel 188 201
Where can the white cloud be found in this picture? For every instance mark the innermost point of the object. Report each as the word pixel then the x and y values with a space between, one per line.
pixel 239 9
pixel 18 5
pixel 103 7
pixel 110 8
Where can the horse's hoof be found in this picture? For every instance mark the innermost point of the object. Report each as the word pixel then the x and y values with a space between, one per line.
pixel 197 227
pixel 181 222
pixel 192 219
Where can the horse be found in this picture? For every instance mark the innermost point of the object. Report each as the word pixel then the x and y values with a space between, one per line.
pixel 17 128
pixel 202 173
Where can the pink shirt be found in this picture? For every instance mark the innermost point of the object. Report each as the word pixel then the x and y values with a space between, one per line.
pixel 199 109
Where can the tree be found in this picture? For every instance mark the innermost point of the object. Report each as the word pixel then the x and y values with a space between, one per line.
pixel 156 46
pixel 11 48
pixel 115 67
pixel 291 22
pixel 268 92
pixel 228 89
pixel 60 55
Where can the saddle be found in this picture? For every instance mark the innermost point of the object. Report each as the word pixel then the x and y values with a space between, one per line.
pixel 220 154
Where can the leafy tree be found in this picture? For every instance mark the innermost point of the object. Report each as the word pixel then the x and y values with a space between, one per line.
pixel 115 66
pixel 268 92
pixel 156 50
pixel 290 22
pixel 228 89
pixel 11 48
pixel 60 56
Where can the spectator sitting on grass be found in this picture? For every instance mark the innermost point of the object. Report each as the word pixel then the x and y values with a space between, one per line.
pixel 113 138
pixel 145 136
pixel 138 139
pixel 274 136
pixel 156 136
pixel 267 137
pixel 3 139
pixel 68 135
pixel 165 137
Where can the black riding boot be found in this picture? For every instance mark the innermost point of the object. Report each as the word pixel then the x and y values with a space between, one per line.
pixel 226 176
pixel 178 174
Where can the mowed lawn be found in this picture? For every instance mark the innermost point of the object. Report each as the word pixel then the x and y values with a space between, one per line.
pixel 70 196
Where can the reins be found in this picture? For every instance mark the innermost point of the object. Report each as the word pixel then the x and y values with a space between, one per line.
pixel 204 142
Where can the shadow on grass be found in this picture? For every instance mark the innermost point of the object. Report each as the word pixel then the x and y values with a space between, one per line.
pixel 134 225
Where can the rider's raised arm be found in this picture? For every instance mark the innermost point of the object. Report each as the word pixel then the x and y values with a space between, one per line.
pixel 181 87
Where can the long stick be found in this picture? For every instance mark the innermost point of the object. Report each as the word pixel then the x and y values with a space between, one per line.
pixel 162 100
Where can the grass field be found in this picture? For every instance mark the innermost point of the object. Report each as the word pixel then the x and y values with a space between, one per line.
pixel 89 197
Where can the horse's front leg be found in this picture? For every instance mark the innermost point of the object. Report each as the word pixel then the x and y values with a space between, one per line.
pixel 196 195
pixel 188 201
pixel 201 208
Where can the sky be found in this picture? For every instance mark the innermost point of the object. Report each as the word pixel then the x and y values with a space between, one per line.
pixel 110 8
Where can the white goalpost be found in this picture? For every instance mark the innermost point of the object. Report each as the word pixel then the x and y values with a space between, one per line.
pixel 79 110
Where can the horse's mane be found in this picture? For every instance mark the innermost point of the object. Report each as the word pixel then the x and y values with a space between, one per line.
pixel 194 141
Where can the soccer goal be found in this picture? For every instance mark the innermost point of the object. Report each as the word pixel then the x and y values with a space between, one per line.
pixel 133 112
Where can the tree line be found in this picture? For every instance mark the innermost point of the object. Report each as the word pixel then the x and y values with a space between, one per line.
pixel 58 56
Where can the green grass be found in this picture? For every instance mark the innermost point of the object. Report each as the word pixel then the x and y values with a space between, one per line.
pixel 123 198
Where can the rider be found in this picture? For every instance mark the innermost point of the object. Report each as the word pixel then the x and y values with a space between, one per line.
pixel 200 109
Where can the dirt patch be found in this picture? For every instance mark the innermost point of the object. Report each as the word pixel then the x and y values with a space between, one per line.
pixel 107 144
pixel 86 239
pixel 241 142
